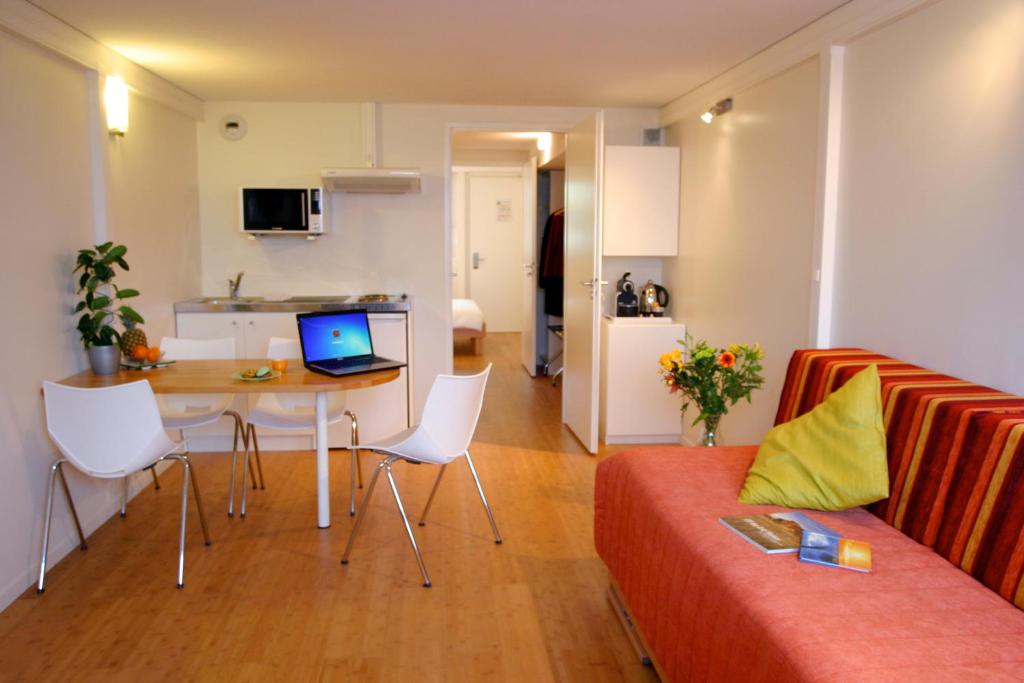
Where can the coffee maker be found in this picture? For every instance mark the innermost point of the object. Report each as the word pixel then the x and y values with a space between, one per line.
pixel 653 300
pixel 627 304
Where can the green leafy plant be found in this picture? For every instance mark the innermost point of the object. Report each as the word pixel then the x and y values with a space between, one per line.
pixel 713 379
pixel 101 303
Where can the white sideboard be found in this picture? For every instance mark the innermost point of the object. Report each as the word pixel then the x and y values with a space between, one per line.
pixel 382 410
pixel 635 404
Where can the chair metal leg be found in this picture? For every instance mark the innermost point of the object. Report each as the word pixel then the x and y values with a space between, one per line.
pixel 71 506
pixel 363 508
pixel 245 466
pixel 430 500
pixel 124 496
pixel 256 448
pixel 186 471
pixel 156 481
pixel 239 429
pixel 199 502
pixel 356 470
pixel 55 470
pixel 408 527
pixel 483 498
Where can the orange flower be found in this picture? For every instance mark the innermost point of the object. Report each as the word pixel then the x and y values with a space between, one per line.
pixel 727 360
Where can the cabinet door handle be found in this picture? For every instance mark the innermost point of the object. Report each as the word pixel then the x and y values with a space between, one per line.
pixel 250 322
pixel 234 322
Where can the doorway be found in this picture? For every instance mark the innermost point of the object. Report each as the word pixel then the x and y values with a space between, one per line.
pixel 498 212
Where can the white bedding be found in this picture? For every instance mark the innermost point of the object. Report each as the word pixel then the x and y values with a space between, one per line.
pixel 466 314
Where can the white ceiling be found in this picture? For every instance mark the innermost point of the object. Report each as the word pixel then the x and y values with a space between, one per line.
pixel 526 52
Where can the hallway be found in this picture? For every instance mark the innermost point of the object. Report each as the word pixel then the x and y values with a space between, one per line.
pixel 269 600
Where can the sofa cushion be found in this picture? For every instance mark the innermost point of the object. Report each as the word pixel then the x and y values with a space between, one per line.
pixel 711 607
pixel 956 459
pixel 831 458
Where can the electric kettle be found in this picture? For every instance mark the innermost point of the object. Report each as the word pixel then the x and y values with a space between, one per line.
pixel 653 300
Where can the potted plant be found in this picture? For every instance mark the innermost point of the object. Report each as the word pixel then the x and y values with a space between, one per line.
pixel 101 304
pixel 713 379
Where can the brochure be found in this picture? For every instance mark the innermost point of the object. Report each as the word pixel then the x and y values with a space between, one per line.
pixel 831 550
pixel 774 533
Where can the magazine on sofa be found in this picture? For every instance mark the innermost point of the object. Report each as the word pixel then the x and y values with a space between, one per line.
pixel 831 550
pixel 776 532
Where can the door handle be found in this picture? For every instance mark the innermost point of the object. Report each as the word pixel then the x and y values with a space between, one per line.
pixel 590 283
pixel 477 258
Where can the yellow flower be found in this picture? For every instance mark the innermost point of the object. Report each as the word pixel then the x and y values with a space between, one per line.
pixel 735 349
pixel 758 351
pixel 677 355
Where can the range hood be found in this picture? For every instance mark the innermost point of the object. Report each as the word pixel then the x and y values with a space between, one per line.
pixel 371 180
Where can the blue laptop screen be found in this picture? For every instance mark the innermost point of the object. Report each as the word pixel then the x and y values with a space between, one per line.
pixel 326 337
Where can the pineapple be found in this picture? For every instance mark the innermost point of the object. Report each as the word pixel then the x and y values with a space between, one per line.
pixel 132 336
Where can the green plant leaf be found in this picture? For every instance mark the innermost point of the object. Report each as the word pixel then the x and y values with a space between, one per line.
pixel 99 302
pixel 127 293
pixel 82 280
pixel 115 253
pixel 102 248
pixel 124 264
pixel 131 314
pixel 80 306
pixel 93 283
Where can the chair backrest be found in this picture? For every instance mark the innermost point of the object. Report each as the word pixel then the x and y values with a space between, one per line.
pixel 283 347
pixel 452 410
pixel 106 432
pixel 179 348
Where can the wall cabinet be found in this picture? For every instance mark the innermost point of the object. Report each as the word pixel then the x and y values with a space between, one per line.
pixel 382 410
pixel 641 201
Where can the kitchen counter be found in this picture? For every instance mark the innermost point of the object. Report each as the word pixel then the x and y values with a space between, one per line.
pixel 295 304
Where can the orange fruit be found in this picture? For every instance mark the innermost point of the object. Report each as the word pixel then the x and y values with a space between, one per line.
pixel 140 352
pixel 153 354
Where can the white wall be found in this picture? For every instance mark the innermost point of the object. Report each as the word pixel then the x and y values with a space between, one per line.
pixel 378 242
pixel 49 120
pixel 747 201
pixel 931 200
pixel 153 208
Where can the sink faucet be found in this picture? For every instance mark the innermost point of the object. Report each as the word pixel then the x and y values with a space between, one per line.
pixel 233 285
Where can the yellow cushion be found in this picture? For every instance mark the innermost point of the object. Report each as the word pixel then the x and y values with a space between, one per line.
pixel 831 458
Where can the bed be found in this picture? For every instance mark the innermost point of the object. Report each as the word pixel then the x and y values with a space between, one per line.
pixel 468 323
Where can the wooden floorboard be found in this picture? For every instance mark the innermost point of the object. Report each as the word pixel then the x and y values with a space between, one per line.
pixel 270 601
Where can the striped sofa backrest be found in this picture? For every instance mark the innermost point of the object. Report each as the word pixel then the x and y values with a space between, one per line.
pixel 956 459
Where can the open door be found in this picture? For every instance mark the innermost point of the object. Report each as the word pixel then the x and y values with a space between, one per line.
pixel 584 168
pixel 528 339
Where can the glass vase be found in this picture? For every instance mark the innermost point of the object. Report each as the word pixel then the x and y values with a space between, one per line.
pixel 711 435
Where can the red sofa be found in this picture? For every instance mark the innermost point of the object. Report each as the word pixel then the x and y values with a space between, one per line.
pixel 944 599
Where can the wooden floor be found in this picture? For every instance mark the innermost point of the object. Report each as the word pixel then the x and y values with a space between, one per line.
pixel 270 601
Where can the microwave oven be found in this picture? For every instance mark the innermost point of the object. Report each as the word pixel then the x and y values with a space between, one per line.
pixel 277 211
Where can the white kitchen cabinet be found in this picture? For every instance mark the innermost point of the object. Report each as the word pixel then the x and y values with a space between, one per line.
pixel 635 404
pixel 641 201
pixel 382 410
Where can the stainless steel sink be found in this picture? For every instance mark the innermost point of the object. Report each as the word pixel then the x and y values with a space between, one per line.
pixel 228 300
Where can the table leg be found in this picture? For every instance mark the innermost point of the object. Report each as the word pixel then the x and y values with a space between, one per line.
pixel 323 488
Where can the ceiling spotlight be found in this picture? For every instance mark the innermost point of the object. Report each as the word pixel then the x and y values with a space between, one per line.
pixel 721 107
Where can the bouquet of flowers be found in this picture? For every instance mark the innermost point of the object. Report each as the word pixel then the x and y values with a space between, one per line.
pixel 713 379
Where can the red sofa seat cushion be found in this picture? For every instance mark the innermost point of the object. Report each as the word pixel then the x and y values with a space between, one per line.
pixel 714 608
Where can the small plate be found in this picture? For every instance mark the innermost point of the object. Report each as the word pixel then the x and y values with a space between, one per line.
pixel 274 374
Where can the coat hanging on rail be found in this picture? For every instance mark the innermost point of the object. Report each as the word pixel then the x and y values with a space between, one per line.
pixel 552 263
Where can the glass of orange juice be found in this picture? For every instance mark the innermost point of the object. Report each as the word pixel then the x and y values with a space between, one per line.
pixel 279 364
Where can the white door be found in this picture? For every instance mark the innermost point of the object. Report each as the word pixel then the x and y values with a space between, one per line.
pixel 528 334
pixel 583 183
pixel 494 216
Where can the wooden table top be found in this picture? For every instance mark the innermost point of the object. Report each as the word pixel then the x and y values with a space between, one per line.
pixel 214 377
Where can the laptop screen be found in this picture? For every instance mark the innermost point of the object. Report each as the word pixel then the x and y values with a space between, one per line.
pixel 334 335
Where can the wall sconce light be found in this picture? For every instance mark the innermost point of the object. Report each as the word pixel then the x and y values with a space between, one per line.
pixel 115 99
pixel 721 107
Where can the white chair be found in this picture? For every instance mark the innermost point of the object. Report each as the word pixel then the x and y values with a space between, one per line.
pixel 444 434
pixel 110 433
pixel 298 411
pixel 186 411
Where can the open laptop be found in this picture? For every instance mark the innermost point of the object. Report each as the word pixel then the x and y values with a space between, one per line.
pixel 339 343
